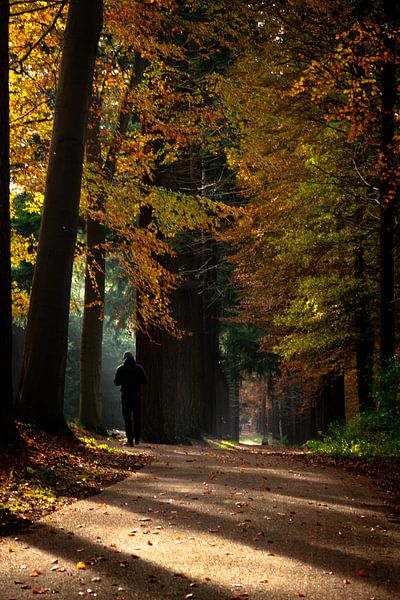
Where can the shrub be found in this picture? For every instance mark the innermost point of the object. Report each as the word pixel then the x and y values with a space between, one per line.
pixel 371 434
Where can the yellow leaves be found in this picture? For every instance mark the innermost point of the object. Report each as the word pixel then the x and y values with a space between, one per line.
pixel 34 203
pixel 23 249
pixel 345 82
pixel 20 302
pixel 81 565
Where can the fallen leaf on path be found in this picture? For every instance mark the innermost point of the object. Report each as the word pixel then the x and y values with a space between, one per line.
pixel 36 573
pixel 81 565
pixel 123 563
pixel 362 573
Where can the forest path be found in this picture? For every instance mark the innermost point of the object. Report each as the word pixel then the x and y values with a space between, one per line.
pixel 207 524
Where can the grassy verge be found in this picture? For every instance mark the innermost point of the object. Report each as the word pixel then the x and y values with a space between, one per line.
pixel 44 472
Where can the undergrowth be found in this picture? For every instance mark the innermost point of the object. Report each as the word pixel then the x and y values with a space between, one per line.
pixel 373 434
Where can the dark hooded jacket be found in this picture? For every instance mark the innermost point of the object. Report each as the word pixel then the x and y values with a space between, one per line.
pixel 130 376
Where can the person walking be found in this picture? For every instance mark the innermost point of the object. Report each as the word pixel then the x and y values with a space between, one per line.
pixel 130 376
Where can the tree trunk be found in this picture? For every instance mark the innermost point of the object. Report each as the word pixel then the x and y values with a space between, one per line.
pixel 90 410
pixel 363 326
pixel 41 395
pixel 388 187
pixel 209 333
pixel 7 427
pixel 234 388
pixel 172 407
pixel 174 393
pixel 222 404
pixel 90 413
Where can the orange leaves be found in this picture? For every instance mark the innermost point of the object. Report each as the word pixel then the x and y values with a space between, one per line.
pixel 36 573
pixel 20 302
pixel 346 80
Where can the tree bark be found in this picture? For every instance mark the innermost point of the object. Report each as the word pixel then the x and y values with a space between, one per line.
pixel 90 412
pixel 388 187
pixel 364 333
pixel 41 395
pixel 90 409
pixel 234 388
pixel 172 407
pixel 7 426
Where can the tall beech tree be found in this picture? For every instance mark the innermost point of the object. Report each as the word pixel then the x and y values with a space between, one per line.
pixel 180 400
pixel 90 412
pixel 41 392
pixel 7 427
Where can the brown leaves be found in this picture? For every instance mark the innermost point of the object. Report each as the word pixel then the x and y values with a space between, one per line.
pixel 65 467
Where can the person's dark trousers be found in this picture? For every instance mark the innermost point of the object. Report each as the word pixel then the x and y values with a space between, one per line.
pixel 132 410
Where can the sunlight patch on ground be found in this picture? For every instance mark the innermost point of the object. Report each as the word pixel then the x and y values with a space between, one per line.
pixel 251 441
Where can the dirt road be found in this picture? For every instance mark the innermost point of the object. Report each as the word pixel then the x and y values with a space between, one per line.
pixel 205 524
